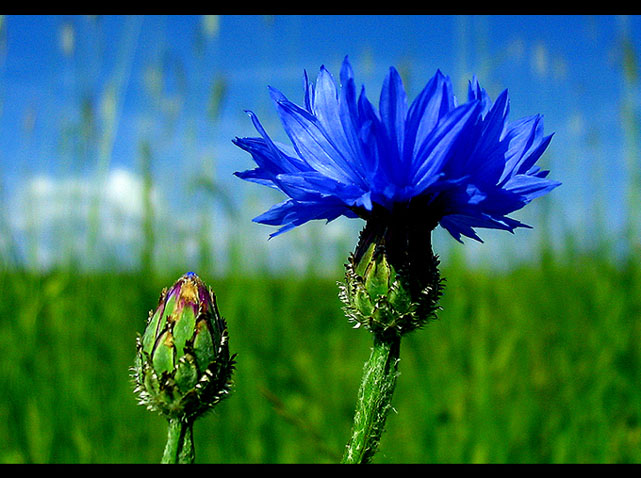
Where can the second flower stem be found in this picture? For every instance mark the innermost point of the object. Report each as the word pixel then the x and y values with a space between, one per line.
pixel 374 399
pixel 180 443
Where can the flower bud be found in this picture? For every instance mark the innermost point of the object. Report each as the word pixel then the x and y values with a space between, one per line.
pixel 392 283
pixel 183 367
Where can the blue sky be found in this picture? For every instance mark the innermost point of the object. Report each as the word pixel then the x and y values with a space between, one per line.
pixel 569 68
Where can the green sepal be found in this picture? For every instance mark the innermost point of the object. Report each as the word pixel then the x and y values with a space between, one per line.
pixel 204 347
pixel 186 375
pixel 382 299
pixel 183 329
pixel 163 353
pixel 377 276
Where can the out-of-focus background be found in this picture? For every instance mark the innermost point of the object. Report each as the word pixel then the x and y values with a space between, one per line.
pixel 116 176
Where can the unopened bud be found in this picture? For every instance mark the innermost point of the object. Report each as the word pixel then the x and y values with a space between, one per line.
pixel 183 366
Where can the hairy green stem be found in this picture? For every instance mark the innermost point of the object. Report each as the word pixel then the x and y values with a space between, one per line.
pixel 180 443
pixel 374 399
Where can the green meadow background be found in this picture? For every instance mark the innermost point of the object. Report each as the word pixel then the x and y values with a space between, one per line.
pixel 538 361
pixel 541 364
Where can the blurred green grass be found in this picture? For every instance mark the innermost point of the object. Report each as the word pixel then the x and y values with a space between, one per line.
pixel 539 364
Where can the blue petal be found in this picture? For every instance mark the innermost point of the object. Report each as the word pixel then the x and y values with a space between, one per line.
pixel 460 224
pixel 433 153
pixel 393 111
pixel 526 144
pixel 291 213
pixel 268 154
pixel 312 143
pixel 332 117
pixel 432 104
pixel 314 186
pixel 476 93
pixel 530 187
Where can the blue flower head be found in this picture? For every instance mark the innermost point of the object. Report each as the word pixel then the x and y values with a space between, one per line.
pixel 434 161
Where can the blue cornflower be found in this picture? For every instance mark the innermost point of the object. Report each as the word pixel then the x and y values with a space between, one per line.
pixel 461 166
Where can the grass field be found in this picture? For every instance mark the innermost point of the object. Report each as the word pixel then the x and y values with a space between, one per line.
pixel 541 364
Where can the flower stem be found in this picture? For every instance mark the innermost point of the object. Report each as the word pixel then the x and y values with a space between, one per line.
pixel 374 399
pixel 180 443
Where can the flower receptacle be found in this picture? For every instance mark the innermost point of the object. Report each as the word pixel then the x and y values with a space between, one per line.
pixel 383 291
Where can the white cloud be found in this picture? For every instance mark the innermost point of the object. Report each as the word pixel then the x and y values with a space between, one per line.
pixel 51 198
pixel 56 212
pixel 123 192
